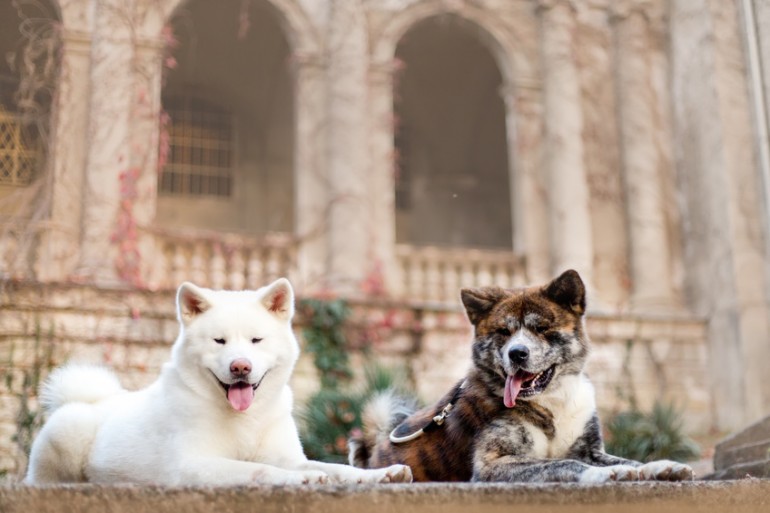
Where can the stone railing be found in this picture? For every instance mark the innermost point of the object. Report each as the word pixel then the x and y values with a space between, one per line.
pixel 433 274
pixel 222 261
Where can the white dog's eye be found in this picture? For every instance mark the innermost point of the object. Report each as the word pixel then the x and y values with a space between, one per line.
pixel 220 340
pixel 256 340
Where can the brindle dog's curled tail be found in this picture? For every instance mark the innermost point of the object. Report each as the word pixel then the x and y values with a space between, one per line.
pixel 381 414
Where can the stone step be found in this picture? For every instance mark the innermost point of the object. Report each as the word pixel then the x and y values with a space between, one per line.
pixel 753 469
pixel 743 496
pixel 758 431
pixel 746 453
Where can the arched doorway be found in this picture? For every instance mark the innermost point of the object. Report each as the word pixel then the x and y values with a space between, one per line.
pixel 452 183
pixel 229 100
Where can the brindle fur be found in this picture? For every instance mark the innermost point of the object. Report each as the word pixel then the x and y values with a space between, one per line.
pixel 482 439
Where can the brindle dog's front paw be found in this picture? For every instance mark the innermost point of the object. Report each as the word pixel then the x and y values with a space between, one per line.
pixel 665 470
pixel 611 473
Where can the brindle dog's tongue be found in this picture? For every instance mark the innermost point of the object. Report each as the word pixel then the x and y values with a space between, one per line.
pixel 512 388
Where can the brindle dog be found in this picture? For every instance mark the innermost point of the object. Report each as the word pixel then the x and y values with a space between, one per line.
pixel 525 412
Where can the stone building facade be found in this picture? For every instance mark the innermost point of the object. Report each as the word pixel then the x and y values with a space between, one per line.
pixel 391 152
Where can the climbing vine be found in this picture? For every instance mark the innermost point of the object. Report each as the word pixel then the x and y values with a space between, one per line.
pixel 23 385
pixel 333 413
pixel 325 339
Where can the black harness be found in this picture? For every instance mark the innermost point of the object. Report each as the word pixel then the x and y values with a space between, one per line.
pixel 436 422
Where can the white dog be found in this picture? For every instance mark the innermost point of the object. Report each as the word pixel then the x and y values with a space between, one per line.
pixel 219 414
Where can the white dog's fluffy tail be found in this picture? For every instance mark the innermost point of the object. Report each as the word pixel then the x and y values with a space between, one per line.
pixel 78 383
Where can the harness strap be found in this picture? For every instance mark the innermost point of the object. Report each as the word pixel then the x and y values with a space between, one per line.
pixel 435 422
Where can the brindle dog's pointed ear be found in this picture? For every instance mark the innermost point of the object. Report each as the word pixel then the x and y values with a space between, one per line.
pixel 478 302
pixel 568 292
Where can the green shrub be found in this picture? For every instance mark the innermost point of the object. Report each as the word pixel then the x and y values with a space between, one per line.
pixel 655 435
pixel 330 416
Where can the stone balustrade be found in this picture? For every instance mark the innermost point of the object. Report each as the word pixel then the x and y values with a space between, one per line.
pixel 222 261
pixel 432 274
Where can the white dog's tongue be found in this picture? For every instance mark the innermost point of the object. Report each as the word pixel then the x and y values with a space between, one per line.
pixel 512 388
pixel 240 395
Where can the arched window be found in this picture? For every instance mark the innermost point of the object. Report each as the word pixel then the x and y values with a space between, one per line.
pixel 452 183
pixel 29 64
pixel 230 130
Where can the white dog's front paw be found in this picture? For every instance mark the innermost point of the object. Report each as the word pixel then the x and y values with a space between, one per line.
pixel 303 477
pixel 611 473
pixel 392 474
pixel 665 470
pixel 397 474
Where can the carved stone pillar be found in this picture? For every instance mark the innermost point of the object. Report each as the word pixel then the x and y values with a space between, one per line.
pixel 143 144
pixel 382 187
pixel 311 182
pixel 571 240
pixel 642 161
pixel 108 156
pixel 59 247
pixel 529 202
pixel 350 229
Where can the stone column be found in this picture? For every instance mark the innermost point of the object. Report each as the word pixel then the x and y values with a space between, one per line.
pixel 570 223
pixel 382 188
pixel 311 185
pixel 726 265
pixel 529 199
pixel 144 132
pixel 349 257
pixel 640 121
pixel 60 242
pixel 111 96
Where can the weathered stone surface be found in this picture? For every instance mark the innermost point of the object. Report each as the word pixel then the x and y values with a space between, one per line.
pixel 749 496
pixel 744 453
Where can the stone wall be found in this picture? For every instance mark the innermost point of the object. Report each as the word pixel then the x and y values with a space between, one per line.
pixel 631 136
pixel 132 331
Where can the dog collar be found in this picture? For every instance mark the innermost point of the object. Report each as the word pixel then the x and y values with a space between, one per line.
pixel 436 422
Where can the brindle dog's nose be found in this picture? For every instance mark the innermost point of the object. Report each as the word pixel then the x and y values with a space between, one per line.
pixel 240 367
pixel 518 354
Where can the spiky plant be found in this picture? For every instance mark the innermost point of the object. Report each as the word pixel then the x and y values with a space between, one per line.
pixel 657 434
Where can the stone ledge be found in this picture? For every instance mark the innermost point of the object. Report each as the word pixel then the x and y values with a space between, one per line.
pixel 748 495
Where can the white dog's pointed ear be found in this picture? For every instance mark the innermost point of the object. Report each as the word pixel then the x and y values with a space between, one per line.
pixel 191 301
pixel 278 298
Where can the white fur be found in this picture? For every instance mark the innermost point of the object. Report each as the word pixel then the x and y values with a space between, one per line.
pixel 181 430
pixel 663 470
pixel 572 404
pixel 611 473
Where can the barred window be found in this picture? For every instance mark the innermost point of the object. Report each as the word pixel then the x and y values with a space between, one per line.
pixel 20 150
pixel 201 149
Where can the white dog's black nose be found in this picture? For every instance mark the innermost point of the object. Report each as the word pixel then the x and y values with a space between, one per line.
pixel 518 354
pixel 240 368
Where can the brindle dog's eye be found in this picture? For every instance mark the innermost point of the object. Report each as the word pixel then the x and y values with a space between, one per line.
pixel 541 328
pixel 220 340
pixel 505 332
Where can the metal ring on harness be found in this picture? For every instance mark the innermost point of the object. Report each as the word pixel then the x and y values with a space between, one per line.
pixel 403 439
pixel 438 420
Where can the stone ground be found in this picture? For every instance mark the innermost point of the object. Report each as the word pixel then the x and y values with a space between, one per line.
pixel 739 496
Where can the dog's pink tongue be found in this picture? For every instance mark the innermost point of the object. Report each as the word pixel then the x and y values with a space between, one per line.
pixel 512 388
pixel 240 395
